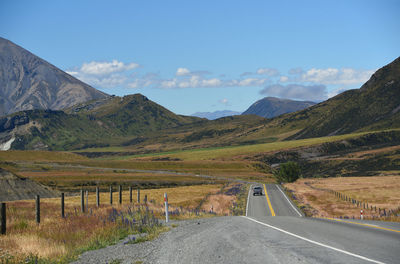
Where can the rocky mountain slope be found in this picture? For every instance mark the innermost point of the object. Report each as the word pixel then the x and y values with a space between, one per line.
pixel 28 82
pixel 269 107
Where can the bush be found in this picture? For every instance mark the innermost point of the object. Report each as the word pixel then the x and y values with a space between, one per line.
pixel 288 172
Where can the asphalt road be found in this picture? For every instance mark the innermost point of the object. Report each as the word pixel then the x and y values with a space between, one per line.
pixel 364 241
pixel 261 237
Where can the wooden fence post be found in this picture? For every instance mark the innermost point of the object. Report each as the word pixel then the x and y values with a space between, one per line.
pixel 82 201
pixel 38 209
pixel 62 206
pixel 120 194
pixel 130 194
pixel 111 194
pixel 97 196
pixel 138 196
pixel 87 200
pixel 3 219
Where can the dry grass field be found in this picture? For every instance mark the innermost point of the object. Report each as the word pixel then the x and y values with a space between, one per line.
pixel 380 191
pixel 61 240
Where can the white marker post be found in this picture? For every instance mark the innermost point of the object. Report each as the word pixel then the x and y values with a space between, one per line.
pixel 361 215
pixel 166 208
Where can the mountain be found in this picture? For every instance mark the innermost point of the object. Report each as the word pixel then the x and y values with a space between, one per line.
pixel 98 123
pixel 375 106
pixel 29 82
pixel 145 126
pixel 216 114
pixel 269 107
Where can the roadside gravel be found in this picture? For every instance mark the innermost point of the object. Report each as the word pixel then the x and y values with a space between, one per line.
pixel 145 252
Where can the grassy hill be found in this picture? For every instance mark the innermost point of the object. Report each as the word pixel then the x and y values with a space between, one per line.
pixel 135 124
pixel 110 121
pixel 376 105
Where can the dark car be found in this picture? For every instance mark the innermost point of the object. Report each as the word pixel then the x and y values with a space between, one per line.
pixel 257 191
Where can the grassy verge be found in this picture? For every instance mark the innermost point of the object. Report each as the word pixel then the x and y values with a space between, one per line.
pixel 57 240
pixel 316 198
pixel 239 207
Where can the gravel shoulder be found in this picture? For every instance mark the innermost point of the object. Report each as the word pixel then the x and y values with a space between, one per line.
pixel 223 240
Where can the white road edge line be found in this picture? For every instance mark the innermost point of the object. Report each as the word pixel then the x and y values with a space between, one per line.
pixel 248 198
pixel 315 242
pixel 284 195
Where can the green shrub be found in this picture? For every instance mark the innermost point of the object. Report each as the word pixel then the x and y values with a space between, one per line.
pixel 288 172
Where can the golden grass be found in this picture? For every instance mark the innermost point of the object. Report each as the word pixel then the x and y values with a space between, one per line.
pixel 72 180
pixel 224 153
pixel 60 239
pixel 38 156
pixel 380 191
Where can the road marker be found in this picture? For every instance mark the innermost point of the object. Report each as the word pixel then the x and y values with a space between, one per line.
pixel 166 208
pixel 315 242
pixel 369 225
pixel 269 202
pixel 284 195
pixel 248 198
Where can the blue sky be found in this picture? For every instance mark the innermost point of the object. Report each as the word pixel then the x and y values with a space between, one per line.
pixel 197 56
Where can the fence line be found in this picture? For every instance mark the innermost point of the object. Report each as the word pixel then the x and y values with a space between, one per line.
pixel 3 205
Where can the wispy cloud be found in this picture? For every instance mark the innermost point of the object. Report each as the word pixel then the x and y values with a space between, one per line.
pixel 224 101
pixel 104 74
pixel 296 91
pixel 297 83
pixel 343 76
pixel 268 71
pixel 104 68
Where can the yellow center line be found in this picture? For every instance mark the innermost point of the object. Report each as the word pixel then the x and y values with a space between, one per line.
pixel 269 202
pixel 373 226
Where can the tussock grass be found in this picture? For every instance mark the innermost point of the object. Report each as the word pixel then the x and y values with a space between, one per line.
pixel 62 240
pixel 314 196
pixel 222 153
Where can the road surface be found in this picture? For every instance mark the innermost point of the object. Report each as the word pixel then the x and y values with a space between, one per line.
pixel 272 232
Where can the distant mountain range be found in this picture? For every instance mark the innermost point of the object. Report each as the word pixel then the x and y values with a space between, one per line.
pixel 267 107
pixel 270 107
pixel 29 82
pixel 216 114
pixel 90 118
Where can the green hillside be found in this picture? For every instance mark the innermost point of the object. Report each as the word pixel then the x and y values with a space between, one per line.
pixel 375 106
pixel 135 124
pixel 107 122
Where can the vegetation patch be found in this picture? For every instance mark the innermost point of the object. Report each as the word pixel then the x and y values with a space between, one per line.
pixel 316 197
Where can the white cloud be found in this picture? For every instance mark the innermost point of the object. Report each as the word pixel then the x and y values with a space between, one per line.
pixel 252 82
pixel 283 78
pixel 224 101
pixel 104 74
pixel 73 73
pixel 268 71
pixel 182 72
pixel 103 81
pixel 344 76
pixel 296 91
pixel 104 68
pixel 214 82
